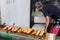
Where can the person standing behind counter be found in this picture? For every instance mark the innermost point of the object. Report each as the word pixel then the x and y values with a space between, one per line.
pixel 50 12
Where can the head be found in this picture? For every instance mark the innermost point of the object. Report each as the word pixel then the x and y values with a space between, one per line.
pixel 39 5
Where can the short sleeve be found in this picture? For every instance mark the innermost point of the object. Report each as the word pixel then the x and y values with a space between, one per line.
pixel 46 11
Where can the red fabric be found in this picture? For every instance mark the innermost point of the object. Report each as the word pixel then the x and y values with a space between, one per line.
pixel 54 30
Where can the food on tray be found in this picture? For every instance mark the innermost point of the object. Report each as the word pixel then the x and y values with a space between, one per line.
pixel 10 27
pixel 38 32
pixel 5 28
pixel 34 32
pixel 41 33
pixel 29 30
pixel 15 28
pixel 20 30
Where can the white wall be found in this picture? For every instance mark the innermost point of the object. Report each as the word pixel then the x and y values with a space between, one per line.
pixel 17 11
pixel 0 11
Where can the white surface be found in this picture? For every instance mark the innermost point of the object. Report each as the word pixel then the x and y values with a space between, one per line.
pixel 39 19
pixel 17 11
pixel 0 11
pixel 38 26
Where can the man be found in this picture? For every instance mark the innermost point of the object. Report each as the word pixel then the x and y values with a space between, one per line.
pixel 50 12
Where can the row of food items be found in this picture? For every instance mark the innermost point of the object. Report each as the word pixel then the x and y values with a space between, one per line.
pixel 17 29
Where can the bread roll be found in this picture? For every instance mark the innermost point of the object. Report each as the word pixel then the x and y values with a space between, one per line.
pixel 10 27
pixel 20 30
pixel 25 31
pixel 34 32
pixel 5 28
pixel 29 30
pixel 15 28
pixel 37 32
pixel 41 33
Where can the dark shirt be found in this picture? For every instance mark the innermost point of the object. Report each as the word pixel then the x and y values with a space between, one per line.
pixel 51 11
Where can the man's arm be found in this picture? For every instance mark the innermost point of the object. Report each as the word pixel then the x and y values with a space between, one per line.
pixel 47 22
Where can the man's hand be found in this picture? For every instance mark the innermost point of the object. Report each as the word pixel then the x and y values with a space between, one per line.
pixel 45 30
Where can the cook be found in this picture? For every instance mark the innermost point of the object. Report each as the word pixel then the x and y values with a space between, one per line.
pixel 50 12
